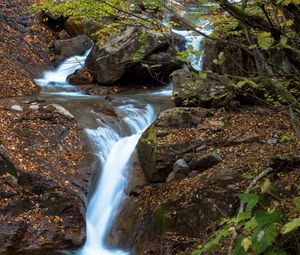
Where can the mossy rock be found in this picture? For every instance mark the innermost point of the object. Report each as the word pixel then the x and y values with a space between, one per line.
pixel 206 90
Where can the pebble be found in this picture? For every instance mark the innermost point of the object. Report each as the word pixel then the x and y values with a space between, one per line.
pixel 17 108
pixel 272 141
pixel 34 107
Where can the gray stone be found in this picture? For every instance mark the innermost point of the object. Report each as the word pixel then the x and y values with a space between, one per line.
pixel 192 90
pixel 272 141
pixel 74 46
pixel 205 162
pixel 176 118
pixel 34 107
pixel 116 58
pixel 17 108
pixel 180 170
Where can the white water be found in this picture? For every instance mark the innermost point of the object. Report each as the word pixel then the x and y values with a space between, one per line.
pixel 113 148
pixel 57 79
pixel 193 42
pixel 115 158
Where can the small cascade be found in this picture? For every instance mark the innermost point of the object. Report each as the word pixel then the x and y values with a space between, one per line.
pixel 193 42
pixel 55 81
pixel 113 152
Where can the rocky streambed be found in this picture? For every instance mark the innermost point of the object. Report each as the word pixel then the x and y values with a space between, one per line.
pixel 183 179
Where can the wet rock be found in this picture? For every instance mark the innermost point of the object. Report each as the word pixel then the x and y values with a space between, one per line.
pixel 74 46
pixel 115 60
pixel 80 77
pixel 180 170
pixel 205 162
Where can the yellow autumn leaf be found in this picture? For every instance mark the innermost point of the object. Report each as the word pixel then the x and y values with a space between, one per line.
pixel 246 243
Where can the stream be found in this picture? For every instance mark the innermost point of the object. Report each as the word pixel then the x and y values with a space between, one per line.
pixel 113 140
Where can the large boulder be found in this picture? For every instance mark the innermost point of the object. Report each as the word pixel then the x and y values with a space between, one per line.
pixel 121 57
pixel 74 46
pixel 205 90
pixel 168 140
pixel 80 77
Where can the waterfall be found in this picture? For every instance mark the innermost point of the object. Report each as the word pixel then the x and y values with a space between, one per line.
pixel 113 147
pixel 113 152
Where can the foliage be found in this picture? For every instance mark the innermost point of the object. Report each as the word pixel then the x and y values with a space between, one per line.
pixel 260 228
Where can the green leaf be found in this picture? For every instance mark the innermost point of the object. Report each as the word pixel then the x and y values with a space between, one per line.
pixel 266 186
pixel 219 235
pixel 250 225
pixel 283 40
pixel 264 218
pixel 202 75
pixel 297 203
pixel 238 247
pixel 273 250
pixel 240 217
pixel 265 41
pixel 263 238
pixel 250 199
pixel 289 227
pixel 248 176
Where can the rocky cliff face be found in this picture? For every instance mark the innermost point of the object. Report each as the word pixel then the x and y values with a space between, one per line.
pixel 42 186
pixel 24 48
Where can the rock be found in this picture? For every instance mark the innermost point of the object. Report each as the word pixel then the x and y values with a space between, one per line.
pixel 157 158
pixel 187 213
pixel 34 107
pixel 44 179
pixel 176 117
pixel 16 108
pixel 205 162
pixel 80 77
pixel 272 141
pixel 190 90
pixel 159 148
pixel 76 26
pixel 116 59
pixel 180 170
pixel 63 111
pixel 74 46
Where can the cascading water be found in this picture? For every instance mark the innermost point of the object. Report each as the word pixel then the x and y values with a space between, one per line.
pixel 108 195
pixel 113 146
